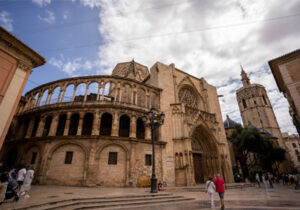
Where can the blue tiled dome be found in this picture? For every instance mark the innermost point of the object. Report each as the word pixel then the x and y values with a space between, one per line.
pixel 229 123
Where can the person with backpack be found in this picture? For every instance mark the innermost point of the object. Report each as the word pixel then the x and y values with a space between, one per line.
pixel 210 189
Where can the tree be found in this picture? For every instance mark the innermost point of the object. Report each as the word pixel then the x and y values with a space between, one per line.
pixel 254 149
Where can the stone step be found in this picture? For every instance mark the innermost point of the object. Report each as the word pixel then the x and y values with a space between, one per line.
pixel 129 204
pixel 64 201
pixel 107 202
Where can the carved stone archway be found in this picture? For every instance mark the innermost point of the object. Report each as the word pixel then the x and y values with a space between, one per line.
pixel 205 154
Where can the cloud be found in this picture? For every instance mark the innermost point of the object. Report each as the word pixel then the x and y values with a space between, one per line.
pixel 72 67
pixel 204 38
pixel 6 21
pixel 41 3
pixel 49 18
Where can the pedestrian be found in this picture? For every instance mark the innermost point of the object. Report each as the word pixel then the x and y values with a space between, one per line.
pixel 265 180
pixel 270 177
pixel 27 182
pixel 3 184
pixel 21 176
pixel 257 179
pixel 210 189
pixel 219 183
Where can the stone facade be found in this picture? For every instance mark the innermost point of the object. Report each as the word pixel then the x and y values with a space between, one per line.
pixel 286 71
pixel 292 143
pixel 99 138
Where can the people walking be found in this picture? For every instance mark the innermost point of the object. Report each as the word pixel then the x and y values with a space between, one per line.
pixel 21 176
pixel 25 188
pixel 270 178
pixel 219 183
pixel 265 180
pixel 210 189
pixel 257 179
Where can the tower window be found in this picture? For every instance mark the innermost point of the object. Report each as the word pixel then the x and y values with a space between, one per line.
pixel 244 104
pixel 265 100
pixel 112 158
pixel 294 145
pixel 69 157
pixel 254 102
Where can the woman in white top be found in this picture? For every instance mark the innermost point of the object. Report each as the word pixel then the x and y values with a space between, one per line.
pixel 27 183
pixel 211 188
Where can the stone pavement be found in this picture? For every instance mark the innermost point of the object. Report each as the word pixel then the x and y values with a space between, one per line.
pixel 280 197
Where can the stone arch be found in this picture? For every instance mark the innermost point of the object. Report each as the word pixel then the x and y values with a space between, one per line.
pixel 112 173
pixel 141 97
pixel 106 124
pixel 60 172
pixel 205 150
pixel 124 125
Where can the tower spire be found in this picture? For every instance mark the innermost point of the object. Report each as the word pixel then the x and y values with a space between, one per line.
pixel 245 79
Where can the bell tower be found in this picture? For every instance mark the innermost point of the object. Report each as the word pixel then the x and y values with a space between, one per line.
pixel 256 108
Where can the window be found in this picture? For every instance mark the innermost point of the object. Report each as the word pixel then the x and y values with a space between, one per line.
pixel 294 145
pixel 148 160
pixel 265 100
pixel 69 157
pixel 33 158
pixel 112 158
pixel 254 102
pixel 297 152
pixel 244 104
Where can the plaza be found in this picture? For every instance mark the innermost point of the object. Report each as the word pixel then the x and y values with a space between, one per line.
pixel 237 196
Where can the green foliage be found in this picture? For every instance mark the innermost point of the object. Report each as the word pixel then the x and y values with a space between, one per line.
pixel 251 148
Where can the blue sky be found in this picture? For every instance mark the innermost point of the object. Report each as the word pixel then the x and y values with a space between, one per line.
pixel 205 38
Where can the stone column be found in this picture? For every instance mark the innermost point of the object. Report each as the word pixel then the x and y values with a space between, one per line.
pixel 98 93
pixel 120 95
pixel 102 95
pixel 47 97
pixel 74 91
pixel 53 126
pixel 51 94
pixel 148 133
pixel 79 129
pixel 41 126
pixel 67 125
pixel 96 124
pixel 39 99
pixel 86 91
pixel 64 93
pixel 29 129
pixel 115 125
pixel 58 99
pixel 132 132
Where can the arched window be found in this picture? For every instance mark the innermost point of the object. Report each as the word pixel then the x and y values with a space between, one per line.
pixel 80 92
pixel 23 128
pixel 68 94
pixel 47 126
pixel 45 98
pixel 61 125
pixel 124 126
pixel 141 97
pixel 74 125
pixel 244 104
pixel 92 91
pixel 87 124
pixel 35 126
pixel 140 129
pixel 265 100
pixel 126 93
pixel 105 125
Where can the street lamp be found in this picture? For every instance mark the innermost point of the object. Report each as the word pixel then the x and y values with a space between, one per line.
pixel 156 119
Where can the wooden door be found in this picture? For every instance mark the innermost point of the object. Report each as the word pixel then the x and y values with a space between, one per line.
pixel 198 168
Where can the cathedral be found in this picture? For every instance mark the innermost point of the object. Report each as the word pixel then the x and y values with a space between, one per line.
pixel 99 139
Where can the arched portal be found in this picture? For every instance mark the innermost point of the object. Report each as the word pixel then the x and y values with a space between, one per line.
pixel 205 154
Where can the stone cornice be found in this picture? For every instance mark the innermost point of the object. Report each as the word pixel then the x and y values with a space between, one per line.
pixel 25 55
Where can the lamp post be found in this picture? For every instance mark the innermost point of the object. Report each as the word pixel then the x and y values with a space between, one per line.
pixel 156 119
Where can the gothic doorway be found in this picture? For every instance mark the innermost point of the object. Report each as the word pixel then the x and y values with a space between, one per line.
pixel 205 154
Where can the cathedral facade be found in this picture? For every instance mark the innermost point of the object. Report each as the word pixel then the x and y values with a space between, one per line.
pixel 99 139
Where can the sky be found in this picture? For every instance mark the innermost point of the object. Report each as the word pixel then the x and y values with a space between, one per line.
pixel 205 38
